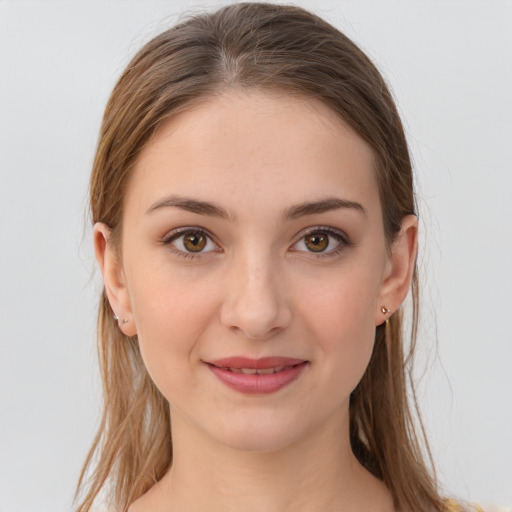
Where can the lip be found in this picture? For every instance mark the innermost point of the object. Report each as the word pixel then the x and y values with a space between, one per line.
pixel 228 371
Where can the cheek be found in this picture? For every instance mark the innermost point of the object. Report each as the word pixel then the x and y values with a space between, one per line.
pixel 341 317
pixel 171 317
pixel 168 304
pixel 344 302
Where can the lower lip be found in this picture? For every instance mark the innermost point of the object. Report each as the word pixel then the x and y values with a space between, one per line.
pixel 258 384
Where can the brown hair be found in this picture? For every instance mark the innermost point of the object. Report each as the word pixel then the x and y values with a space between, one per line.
pixel 268 47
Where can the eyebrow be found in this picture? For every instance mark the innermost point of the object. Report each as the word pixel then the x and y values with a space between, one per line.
pixel 191 205
pixel 294 212
pixel 322 206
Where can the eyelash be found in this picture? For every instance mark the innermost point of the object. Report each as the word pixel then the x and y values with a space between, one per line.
pixel 178 233
pixel 339 236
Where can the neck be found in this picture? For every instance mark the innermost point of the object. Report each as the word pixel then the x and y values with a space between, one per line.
pixel 319 472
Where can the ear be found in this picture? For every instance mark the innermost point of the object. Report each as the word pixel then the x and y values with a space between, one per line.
pixel 399 269
pixel 113 276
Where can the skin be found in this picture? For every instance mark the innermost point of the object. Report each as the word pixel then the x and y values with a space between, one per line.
pixel 256 290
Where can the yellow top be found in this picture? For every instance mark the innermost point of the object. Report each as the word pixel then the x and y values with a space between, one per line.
pixel 455 506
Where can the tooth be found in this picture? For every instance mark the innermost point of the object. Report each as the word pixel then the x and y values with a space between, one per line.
pixel 249 371
pixel 278 368
pixel 266 371
pixel 236 370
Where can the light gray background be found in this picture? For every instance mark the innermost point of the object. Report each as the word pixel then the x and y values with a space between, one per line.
pixel 450 66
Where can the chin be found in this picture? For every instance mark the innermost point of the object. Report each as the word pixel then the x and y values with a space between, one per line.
pixel 261 434
pixel 260 441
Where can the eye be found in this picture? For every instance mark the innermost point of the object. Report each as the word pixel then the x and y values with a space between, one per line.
pixel 321 240
pixel 190 241
pixel 317 242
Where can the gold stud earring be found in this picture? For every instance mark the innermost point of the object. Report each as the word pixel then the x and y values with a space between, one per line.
pixel 384 310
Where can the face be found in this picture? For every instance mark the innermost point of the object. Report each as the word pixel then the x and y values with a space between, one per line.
pixel 254 266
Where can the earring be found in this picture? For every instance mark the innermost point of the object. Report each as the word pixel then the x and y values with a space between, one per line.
pixel 384 310
pixel 123 321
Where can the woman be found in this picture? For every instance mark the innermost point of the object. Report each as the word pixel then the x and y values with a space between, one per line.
pixel 254 221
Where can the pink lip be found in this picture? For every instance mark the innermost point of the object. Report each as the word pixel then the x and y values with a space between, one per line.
pixel 225 371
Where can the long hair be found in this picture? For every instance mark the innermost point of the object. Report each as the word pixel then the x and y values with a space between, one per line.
pixel 255 46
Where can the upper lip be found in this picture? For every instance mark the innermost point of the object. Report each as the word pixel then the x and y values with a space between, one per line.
pixel 258 364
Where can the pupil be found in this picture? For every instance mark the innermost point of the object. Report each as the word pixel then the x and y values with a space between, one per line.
pixel 195 242
pixel 317 242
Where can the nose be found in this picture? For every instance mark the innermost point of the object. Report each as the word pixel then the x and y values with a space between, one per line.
pixel 255 303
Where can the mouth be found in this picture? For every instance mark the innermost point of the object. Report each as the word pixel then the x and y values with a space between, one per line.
pixel 256 371
pixel 257 376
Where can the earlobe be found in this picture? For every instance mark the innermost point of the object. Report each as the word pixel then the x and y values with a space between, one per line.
pixel 400 270
pixel 114 279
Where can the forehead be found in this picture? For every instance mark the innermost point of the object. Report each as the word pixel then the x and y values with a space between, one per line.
pixel 249 149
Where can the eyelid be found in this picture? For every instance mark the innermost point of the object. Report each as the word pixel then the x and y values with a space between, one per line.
pixel 325 229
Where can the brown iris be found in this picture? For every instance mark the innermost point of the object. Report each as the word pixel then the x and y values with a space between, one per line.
pixel 317 242
pixel 194 241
